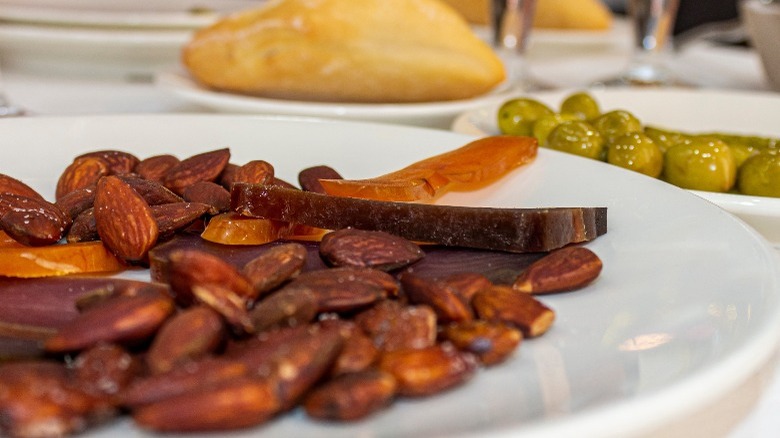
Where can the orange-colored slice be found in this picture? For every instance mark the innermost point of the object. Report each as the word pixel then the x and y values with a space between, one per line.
pixel 55 260
pixel 466 168
pixel 234 229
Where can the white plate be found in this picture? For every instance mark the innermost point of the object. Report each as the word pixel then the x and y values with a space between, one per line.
pixel 433 114
pixel 684 110
pixel 188 14
pixel 685 309
pixel 90 51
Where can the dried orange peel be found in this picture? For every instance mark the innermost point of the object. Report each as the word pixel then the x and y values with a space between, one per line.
pixel 466 168
pixel 55 260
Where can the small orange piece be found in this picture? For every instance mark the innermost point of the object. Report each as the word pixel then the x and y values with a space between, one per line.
pixel 55 260
pixel 234 229
pixel 466 168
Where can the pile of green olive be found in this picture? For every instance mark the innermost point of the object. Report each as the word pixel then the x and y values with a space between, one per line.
pixel 714 162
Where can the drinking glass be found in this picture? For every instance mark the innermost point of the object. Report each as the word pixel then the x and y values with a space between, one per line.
pixel 511 22
pixel 652 22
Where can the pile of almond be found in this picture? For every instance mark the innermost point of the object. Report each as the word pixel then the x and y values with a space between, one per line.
pixel 212 346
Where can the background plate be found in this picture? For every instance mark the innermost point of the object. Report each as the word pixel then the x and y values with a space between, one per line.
pixel 685 309
pixel 189 14
pixel 684 110
pixel 429 114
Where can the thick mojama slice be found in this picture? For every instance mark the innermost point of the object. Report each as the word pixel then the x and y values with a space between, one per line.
pixel 503 229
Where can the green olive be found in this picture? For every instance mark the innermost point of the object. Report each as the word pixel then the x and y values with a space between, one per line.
pixel 742 151
pixel 638 152
pixel 581 105
pixel 665 139
pixel 760 175
pixel 517 116
pixel 545 124
pixel 616 122
pixel 577 137
pixel 702 164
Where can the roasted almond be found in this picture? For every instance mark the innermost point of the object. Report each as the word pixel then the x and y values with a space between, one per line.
pixel 254 172
pixel 206 166
pixel 351 396
pixel 233 404
pixel 32 221
pixel 124 220
pixel 275 266
pixel 430 370
pixel 210 193
pixel 491 342
pixel 393 326
pixel 155 167
pixel 81 173
pixel 368 249
pixel 447 304
pixel 562 270
pixel 189 268
pixel 10 184
pixel 345 289
pixel 188 335
pixel 503 304
pixel 177 216
pixel 309 178
pixel 118 162
pixel 153 192
pixel 121 319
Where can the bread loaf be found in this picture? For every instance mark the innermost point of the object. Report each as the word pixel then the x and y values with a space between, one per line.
pixel 345 51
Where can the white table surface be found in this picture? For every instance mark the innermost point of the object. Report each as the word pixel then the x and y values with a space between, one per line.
pixel 750 411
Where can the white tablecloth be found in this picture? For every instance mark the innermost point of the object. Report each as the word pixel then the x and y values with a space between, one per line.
pixel 749 411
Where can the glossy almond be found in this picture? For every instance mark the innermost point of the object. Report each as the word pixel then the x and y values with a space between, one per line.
pixel 275 266
pixel 255 172
pixel 491 342
pixel 155 167
pixel 351 396
pixel 206 166
pixel 189 268
pixel 177 216
pixel 393 326
pixel 427 371
pixel 188 335
pixel 503 304
pixel 118 162
pixel 345 289
pixel 124 220
pixel 448 305
pixel 32 221
pixel 562 270
pixel 233 404
pixel 368 249
pixel 119 319
pixel 81 173
pixel 210 193
pixel 153 192
pixel 9 184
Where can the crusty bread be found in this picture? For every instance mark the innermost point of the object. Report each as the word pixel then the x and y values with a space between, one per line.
pixel 550 14
pixel 345 51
